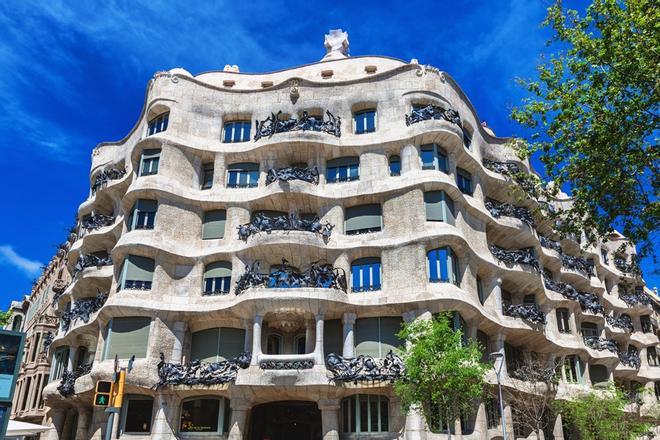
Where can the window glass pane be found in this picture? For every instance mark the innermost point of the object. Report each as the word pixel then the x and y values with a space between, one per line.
pixel 367 337
pixel 200 415
pixel 214 224
pixel 127 337
pixel 371 121
pixel 138 268
pixel 428 156
pixel 138 415
pixel 364 412
pixel 333 338
pixel 395 166
pixel 363 218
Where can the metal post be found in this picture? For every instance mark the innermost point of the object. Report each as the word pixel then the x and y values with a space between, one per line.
pixel 499 356
pixel 111 420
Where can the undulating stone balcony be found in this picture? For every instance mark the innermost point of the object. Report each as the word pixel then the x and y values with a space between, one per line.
pixel 506 168
pixel 365 368
pixel 306 174
pixel 601 344
pixel 291 222
pixel 91 260
pixel 550 244
pixel 68 381
pixel 623 322
pixel 101 180
pixel 498 209
pixel 83 309
pixel 323 276
pixel 287 361
pixel 197 372
pixel 275 124
pixel 528 312
pixel 630 359
pixel 94 222
pixel 577 263
pixel 515 256
pixel 635 298
pixel 433 112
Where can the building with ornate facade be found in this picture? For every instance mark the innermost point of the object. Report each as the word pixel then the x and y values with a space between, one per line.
pixel 256 241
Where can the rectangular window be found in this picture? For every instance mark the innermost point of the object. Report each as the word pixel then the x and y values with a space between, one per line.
pixel 645 322
pixel 365 121
pixel 36 347
pixel 236 131
pixel 149 162
pixel 207 176
pixel 375 337
pixel 365 274
pixel 464 181
pixel 562 321
pixel 158 124
pixel 434 157
pixel 214 224
pixel 137 273
pixel 572 369
pixel 243 175
pixel 127 337
pixel 217 344
pixel 603 254
pixel 204 415
pixel 363 219
pixel 442 266
pixel 60 363
pixel 143 215
pixel 217 278
pixel 137 413
pixel 439 207
pixel 333 337
pixel 344 169
pixel 589 329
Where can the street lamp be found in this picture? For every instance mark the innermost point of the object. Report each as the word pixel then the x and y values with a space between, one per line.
pixel 497 356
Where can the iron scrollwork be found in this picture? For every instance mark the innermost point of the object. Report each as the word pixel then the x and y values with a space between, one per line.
pixel 287 277
pixel 48 339
pixel 505 168
pixel 68 382
pixel 197 372
pixel 516 256
pixel 635 297
pixel 83 309
pixel 498 209
pixel 589 302
pixel 306 174
pixel 625 267
pixel 287 365
pixel 91 260
pixel 601 344
pixel 550 244
pixel 97 221
pixel 292 222
pixel 433 112
pixel 623 322
pixel 273 125
pixel 365 368
pixel 578 263
pixel 105 176
pixel 528 312
pixel 630 359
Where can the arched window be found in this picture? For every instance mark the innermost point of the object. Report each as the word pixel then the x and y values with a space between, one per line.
pixel 365 413
pixel 434 157
pixel 217 278
pixel 236 131
pixel 217 344
pixel 365 274
pixel 18 323
pixel 158 123
pixel 442 266
pixel 439 207
pixel 208 415
pixel 467 135
pixel 395 165
pixel 243 175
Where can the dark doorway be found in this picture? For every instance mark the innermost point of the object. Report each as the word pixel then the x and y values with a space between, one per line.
pixel 289 420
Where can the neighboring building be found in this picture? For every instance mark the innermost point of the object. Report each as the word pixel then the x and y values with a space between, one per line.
pixel 17 318
pixel 416 217
pixel 40 326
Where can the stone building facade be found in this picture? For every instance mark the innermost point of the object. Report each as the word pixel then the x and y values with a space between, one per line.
pixel 275 226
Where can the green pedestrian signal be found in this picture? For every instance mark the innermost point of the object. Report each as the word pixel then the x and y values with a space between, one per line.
pixel 102 399
pixel 103 393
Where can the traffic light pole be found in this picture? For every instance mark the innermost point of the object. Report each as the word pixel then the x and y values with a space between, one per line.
pixel 111 421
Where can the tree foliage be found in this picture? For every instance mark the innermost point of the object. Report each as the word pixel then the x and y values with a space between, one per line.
pixel 602 416
pixel 444 376
pixel 5 317
pixel 594 111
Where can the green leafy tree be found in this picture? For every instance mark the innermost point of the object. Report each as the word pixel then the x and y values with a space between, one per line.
pixel 444 376
pixel 5 317
pixel 594 111
pixel 601 416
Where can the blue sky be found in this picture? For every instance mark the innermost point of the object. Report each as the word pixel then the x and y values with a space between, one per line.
pixel 74 75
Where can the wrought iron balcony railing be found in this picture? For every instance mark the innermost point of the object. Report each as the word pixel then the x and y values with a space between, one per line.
pixel 308 174
pixel 68 382
pixel 550 244
pixel 577 263
pixel 506 168
pixel 196 372
pixel 601 344
pixel 96 221
pixel 635 297
pixel 105 176
pixel 48 339
pixel 91 260
pixel 83 309
pixel 528 312
pixel 588 301
pixel 498 209
pixel 292 222
pixel 515 256
pixel 433 112
pixel 624 266
pixel 286 362
pixel 323 276
pixel 630 359
pixel 365 368
pixel 622 321
pixel 273 125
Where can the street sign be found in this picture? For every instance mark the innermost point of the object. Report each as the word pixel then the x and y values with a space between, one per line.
pixel 103 393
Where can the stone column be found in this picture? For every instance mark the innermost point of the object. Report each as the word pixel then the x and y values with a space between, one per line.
pixel 329 418
pixel 256 339
pixel 238 421
pixel 318 348
pixel 497 292
pixel 71 362
pixel 586 377
pixel 558 430
pixel 498 345
pixel 349 335
pixel 509 421
pixel 179 333
pixel 309 337
pixel 247 345
pixel 165 408
pixel 84 419
pixel 481 423
pixel 69 419
pixel 57 418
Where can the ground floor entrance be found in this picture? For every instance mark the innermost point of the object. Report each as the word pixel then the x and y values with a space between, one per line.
pixel 286 420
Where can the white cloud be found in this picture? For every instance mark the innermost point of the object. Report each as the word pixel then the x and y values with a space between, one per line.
pixel 9 257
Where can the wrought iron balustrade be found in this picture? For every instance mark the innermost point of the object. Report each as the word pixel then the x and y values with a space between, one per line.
pixel 365 368
pixel 564 289
pixel 590 303
pixel 291 222
pixel 550 244
pixel 105 176
pixel 498 209
pixel 197 372
pixel 623 322
pixel 630 359
pixel 48 339
pixel 97 221
pixel 601 344
pixel 635 297
pixel 308 174
pixel 506 168
pixel 287 277
pixel 83 309
pixel 91 260
pixel 433 112
pixel 286 364
pixel 273 125
pixel 515 256
pixel 624 266
pixel 68 382
pixel 528 312
pixel 577 263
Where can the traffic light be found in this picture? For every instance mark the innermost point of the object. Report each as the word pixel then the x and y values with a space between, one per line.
pixel 103 393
